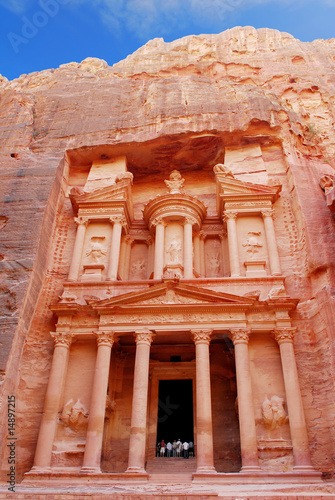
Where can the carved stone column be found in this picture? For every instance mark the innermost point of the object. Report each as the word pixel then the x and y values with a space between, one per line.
pixel 95 429
pixel 301 453
pixel 222 237
pixel 205 454
pixel 196 244
pixel 78 248
pixel 52 402
pixel 234 260
pixel 136 461
pixel 129 243
pixel 249 452
pixel 150 244
pixel 271 241
pixel 202 236
pixel 159 248
pixel 188 248
pixel 114 255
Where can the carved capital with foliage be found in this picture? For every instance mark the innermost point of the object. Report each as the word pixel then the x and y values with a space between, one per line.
pixel 81 221
pixel 105 338
pixel 240 335
pixel 201 336
pixel 63 339
pixel 268 212
pixel 230 214
pixel 284 335
pixel 144 337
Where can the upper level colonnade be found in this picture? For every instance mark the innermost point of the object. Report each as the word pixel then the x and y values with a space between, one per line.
pixel 174 240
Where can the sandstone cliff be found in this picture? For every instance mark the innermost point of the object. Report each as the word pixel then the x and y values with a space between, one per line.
pixel 185 101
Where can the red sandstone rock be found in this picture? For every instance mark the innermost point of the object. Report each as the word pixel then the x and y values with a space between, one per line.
pixel 250 99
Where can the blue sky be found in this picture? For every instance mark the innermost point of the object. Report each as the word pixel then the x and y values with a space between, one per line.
pixel 42 34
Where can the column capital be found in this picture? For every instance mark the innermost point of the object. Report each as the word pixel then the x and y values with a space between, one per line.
pixel 105 338
pixel 202 235
pixel 230 214
pixel 129 240
pixel 158 221
pixel 118 219
pixel 81 221
pixel 149 241
pixel 189 220
pixel 267 212
pixel 222 235
pixel 144 337
pixel 284 335
pixel 240 335
pixel 63 339
pixel 201 336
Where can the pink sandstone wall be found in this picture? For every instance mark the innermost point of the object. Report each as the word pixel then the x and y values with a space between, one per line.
pixel 251 98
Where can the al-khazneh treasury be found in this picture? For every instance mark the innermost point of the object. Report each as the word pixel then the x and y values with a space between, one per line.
pixel 167 260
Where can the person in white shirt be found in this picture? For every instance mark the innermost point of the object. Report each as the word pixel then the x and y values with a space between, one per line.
pixel 168 449
pixel 185 448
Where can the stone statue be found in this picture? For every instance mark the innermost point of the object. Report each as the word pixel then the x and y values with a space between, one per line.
pixel 214 265
pixel 96 250
pixel 74 415
pixel 175 182
pixel 220 168
pixel 252 244
pixel 138 269
pixel 273 412
pixel 174 251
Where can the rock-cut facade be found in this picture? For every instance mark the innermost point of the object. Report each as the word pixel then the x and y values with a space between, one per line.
pixel 167 264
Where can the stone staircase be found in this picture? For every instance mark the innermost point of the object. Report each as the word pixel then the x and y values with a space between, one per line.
pixel 174 470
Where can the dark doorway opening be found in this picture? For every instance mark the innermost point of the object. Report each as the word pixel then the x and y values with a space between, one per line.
pixel 175 410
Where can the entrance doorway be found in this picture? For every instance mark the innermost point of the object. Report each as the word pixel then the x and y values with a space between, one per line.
pixel 175 411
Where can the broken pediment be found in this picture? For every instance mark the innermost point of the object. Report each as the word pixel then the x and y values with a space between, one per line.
pixel 230 189
pixel 113 196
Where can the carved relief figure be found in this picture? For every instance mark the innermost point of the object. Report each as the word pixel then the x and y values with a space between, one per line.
pixel 138 269
pixel 273 412
pixel 252 244
pixel 214 265
pixel 174 251
pixel 74 415
pixel 96 249
pixel 175 182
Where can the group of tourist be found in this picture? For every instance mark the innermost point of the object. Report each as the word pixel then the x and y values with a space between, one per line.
pixel 175 449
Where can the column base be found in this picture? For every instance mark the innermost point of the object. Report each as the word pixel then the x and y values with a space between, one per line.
pixel 206 470
pixel 304 468
pixel 251 468
pixel 40 470
pixel 136 470
pixel 90 470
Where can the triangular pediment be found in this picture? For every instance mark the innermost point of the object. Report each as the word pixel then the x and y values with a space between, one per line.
pixel 116 194
pixel 172 294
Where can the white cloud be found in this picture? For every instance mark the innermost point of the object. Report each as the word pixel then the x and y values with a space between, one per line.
pixel 16 6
